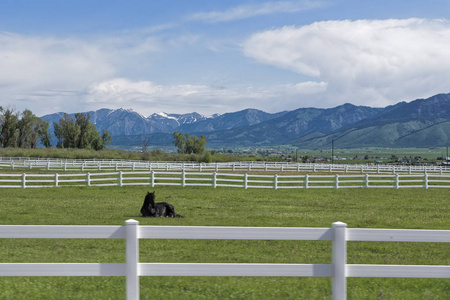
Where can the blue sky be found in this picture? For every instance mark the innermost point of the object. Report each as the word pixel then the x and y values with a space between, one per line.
pixel 220 56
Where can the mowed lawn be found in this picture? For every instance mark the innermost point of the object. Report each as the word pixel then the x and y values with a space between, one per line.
pixel 205 206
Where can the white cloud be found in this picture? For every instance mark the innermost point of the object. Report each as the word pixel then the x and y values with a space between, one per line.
pixel 37 70
pixel 44 72
pixel 41 62
pixel 307 88
pixel 252 10
pixel 120 90
pixel 370 62
pixel 148 97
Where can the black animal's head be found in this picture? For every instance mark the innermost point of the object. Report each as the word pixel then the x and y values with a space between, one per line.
pixel 151 195
pixel 150 199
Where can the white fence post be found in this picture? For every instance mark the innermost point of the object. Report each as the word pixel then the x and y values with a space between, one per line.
pixel 276 181
pixel 339 288
pixel 397 181
pixel 246 181
pixel 215 179
pixel 120 178
pixel 56 179
pixel 367 180
pixel 153 178
pixel 426 181
pixel 337 181
pixel 24 180
pixel 306 181
pixel 183 178
pixel 132 259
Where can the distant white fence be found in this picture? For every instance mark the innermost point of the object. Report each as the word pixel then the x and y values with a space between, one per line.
pixel 339 270
pixel 122 165
pixel 157 178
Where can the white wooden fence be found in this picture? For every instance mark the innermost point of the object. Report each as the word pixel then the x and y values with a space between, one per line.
pixel 156 178
pixel 339 270
pixel 123 165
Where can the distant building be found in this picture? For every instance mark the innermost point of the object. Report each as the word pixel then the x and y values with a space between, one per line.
pixel 447 161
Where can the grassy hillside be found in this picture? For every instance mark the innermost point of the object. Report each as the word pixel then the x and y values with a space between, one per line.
pixel 410 134
pixel 380 208
pixel 438 134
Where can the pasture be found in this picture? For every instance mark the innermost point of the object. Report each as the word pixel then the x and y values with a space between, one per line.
pixel 205 206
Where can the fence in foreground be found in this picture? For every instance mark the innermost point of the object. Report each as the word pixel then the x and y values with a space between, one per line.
pixel 154 178
pixel 122 165
pixel 339 270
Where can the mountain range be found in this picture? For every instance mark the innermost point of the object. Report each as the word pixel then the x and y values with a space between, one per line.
pixel 419 123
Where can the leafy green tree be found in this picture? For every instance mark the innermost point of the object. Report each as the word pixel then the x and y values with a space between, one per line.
pixel 179 142
pixel 42 129
pixel 84 131
pixel 67 132
pixel 80 133
pixel 9 127
pixel 25 126
pixel 106 137
pixel 188 144
pixel 199 144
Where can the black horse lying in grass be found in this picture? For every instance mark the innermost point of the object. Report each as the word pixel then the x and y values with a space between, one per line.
pixel 160 209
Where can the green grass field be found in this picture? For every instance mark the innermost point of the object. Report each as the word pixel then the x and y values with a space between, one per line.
pixel 363 208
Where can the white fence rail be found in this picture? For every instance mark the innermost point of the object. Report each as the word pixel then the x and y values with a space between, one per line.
pixel 157 178
pixel 339 270
pixel 122 165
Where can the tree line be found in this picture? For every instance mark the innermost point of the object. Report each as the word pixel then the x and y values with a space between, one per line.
pixel 25 130
pixel 22 130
